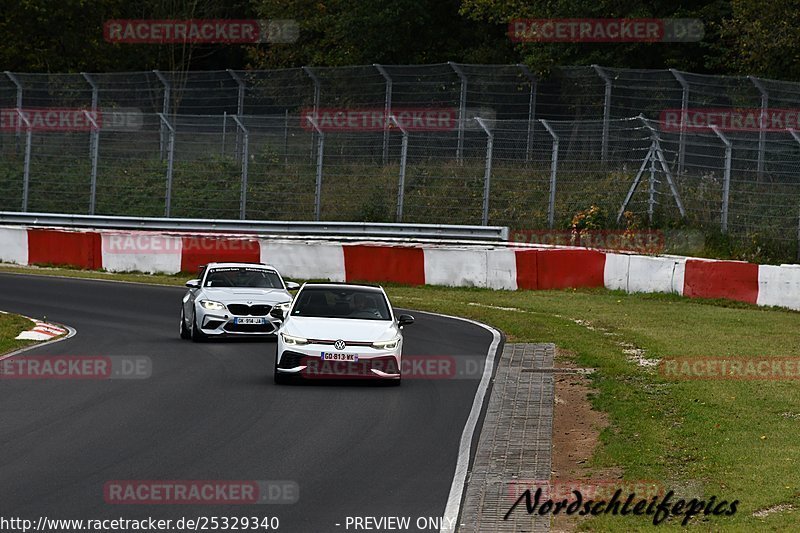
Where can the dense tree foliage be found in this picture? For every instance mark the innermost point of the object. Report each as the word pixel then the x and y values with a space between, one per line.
pixel 742 36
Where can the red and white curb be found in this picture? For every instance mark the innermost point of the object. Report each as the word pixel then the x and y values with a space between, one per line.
pixel 42 331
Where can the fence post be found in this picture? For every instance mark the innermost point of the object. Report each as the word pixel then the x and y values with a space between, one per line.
pixel 487 175
pixel 401 185
pixel 26 168
pixel 726 184
pixel 796 137
pixel 387 110
pixel 315 80
pixel 11 76
pixel 762 133
pixel 462 110
pixel 245 158
pixel 531 110
pixel 164 110
pixel 94 154
pixel 239 106
pixel 684 111
pixel 170 161
pixel 606 111
pixel 320 153
pixel 551 204
pixel 93 133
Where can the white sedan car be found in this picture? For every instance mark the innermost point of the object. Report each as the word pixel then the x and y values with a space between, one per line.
pixel 338 330
pixel 234 299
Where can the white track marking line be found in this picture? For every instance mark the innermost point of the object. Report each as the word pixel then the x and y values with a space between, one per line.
pixel 453 507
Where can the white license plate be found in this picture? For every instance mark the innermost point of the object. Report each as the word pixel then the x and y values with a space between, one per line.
pixel 329 356
pixel 248 320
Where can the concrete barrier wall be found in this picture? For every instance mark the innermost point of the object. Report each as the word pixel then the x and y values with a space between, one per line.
pixel 508 268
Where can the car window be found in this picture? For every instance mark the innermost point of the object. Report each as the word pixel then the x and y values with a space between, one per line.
pixel 342 303
pixel 257 278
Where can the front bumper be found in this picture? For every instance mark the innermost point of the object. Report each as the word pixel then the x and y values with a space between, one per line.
pixel 223 324
pixel 307 362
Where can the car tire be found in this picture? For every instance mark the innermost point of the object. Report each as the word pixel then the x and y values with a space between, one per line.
pixel 185 333
pixel 196 334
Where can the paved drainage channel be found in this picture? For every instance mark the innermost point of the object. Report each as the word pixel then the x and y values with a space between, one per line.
pixel 515 444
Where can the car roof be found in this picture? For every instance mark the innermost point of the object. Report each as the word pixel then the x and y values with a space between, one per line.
pixel 239 264
pixel 339 285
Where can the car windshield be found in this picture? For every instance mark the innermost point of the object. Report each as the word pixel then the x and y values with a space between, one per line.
pixel 342 303
pixel 260 278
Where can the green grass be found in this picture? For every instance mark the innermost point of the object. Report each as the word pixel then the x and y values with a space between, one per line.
pixel 10 326
pixel 732 439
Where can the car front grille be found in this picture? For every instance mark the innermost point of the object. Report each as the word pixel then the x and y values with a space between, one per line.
pixel 291 359
pixel 249 310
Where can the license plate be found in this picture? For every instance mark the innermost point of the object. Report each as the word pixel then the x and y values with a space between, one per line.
pixel 248 320
pixel 329 356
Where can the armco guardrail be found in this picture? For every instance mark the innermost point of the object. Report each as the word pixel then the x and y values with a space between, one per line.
pixel 373 230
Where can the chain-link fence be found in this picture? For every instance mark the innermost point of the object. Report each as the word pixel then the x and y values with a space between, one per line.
pixel 514 149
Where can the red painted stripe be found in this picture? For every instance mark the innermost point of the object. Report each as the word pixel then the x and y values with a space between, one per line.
pixel 721 279
pixel 384 263
pixel 197 251
pixel 73 248
pixel 562 269
pixel 527 276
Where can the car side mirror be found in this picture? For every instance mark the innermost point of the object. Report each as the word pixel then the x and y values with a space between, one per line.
pixel 405 320
pixel 193 283
pixel 292 286
pixel 277 312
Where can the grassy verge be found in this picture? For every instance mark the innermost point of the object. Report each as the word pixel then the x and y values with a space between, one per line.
pixel 730 439
pixel 11 326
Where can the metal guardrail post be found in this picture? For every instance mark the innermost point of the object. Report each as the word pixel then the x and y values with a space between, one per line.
pixel 170 161
pixel 320 154
pixel 401 184
pixel 487 175
pixel 317 92
pixel 26 168
pixel 531 110
pixel 606 111
pixel 11 76
pixel 239 106
pixel 94 148
pixel 684 112
pixel 726 184
pixel 387 110
pixel 462 110
pixel 551 204
pixel 762 133
pixel 164 110
pixel 245 162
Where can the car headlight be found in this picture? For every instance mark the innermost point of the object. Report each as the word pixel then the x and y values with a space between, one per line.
pixel 387 345
pixel 291 340
pixel 284 307
pixel 211 305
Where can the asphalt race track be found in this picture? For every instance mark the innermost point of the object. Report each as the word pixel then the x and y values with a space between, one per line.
pixel 210 411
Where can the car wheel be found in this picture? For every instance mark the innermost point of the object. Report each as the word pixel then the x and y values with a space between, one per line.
pixel 185 333
pixel 197 335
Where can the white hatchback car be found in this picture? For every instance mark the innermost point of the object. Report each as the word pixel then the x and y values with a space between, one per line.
pixel 232 300
pixel 337 330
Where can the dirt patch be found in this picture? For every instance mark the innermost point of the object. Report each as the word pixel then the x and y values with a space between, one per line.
pixel 576 434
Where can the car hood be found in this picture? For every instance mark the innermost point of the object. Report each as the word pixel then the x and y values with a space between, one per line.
pixel 239 294
pixel 347 329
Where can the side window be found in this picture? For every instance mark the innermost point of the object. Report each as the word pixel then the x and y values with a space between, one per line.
pixel 200 272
